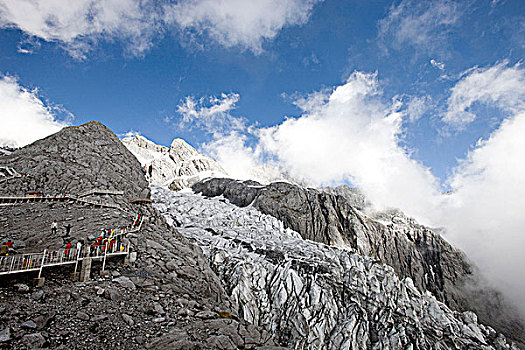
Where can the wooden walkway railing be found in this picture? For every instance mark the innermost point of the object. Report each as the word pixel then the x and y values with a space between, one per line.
pixel 114 246
pixel 98 191
pixel 58 198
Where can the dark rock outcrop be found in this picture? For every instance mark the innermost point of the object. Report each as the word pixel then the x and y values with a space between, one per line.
pixel 413 250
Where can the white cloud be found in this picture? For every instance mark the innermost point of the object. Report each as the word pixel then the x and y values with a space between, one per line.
pixel 484 214
pixel 417 106
pixel 421 24
pixel 244 24
pixel 349 134
pixel 232 153
pixel 80 24
pixel 501 85
pixel 211 114
pixel 437 64
pixel 24 118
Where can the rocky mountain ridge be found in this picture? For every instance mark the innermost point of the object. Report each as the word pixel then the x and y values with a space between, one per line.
pixel 412 250
pixel 176 167
pixel 180 166
pixel 314 273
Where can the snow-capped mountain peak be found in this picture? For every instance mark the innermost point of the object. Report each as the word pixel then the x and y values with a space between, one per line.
pixel 176 167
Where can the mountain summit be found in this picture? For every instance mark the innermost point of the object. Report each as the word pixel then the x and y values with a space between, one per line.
pixel 176 167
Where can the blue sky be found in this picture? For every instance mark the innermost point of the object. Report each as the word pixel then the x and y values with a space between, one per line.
pixel 136 92
pixel 405 99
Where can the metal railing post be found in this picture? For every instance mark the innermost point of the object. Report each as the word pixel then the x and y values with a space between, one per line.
pixel 78 256
pixel 42 263
pixel 105 253
pixel 12 262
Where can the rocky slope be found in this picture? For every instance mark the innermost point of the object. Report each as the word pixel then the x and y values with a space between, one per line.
pixel 312 295
pixel 176 167
pixel 168 298
pixel 412 250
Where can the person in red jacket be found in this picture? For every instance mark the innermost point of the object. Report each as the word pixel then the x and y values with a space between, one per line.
pixel 67 248
pixel 97 244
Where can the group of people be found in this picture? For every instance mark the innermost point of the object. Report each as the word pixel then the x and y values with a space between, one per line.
pixel 106 239
pixel 54 229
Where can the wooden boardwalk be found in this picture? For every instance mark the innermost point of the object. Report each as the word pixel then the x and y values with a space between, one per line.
pixel 19 263
pixel 58 198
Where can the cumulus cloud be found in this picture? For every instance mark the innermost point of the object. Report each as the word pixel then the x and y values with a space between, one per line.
pixel 24 118
pixel 421 24
pixel 80 24
pixel 235 156
pixel 245 24
pixel 350 135
pixel 501 85
pixel 210 114
pixel 484 212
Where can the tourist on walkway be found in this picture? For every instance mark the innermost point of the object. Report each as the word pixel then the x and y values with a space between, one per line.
pixel 54 227
pixel 79 246
pixel 67 248
pixel 97 244
pixel 68 230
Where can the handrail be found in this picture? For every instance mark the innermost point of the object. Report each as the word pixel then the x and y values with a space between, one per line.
pixel 114 245
pixel 16 199
pixel 37 261
pixel 99 191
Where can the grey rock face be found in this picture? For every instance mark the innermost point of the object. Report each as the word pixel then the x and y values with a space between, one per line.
pixel 315 296
pixel 82 316
pixel 125 282
pixel 128 319
pixel 22 288
pixel 353 195
pixel 413 250
pixel 34 340
pixel 28 325
pixel 5 335
pixel 74 160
